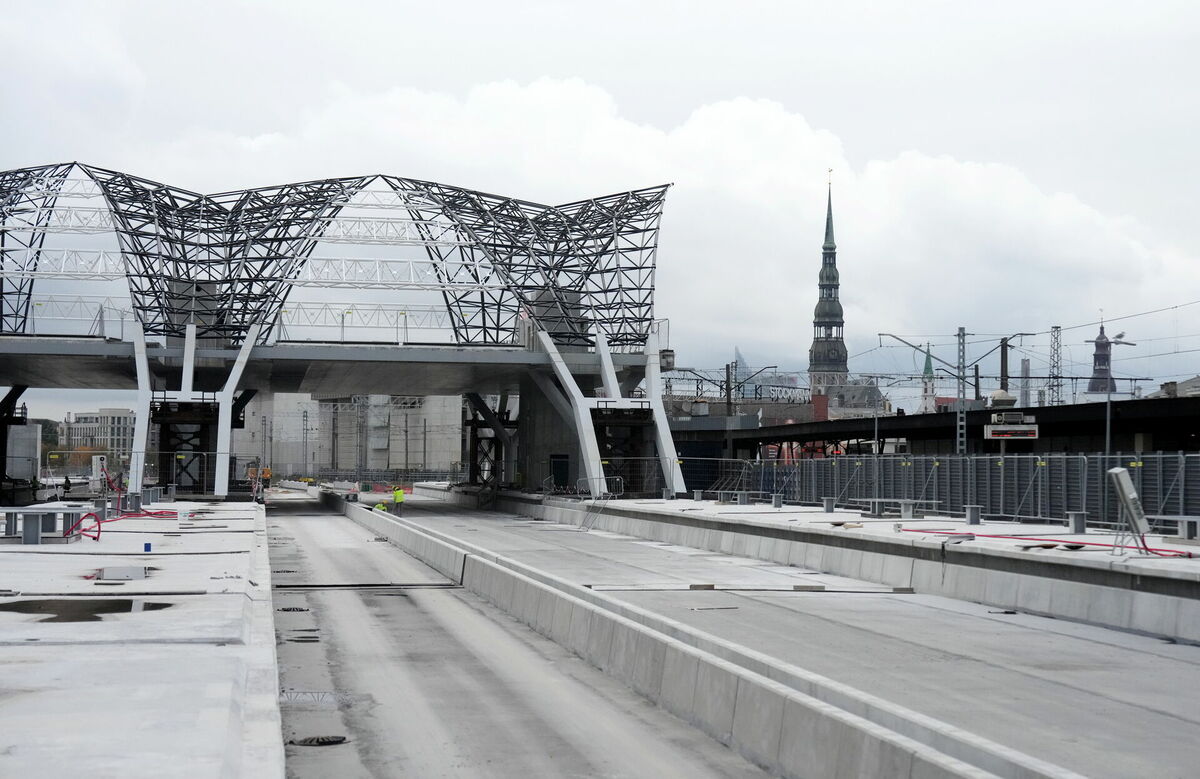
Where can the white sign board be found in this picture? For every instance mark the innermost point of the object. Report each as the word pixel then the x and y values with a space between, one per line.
pixel 1129 500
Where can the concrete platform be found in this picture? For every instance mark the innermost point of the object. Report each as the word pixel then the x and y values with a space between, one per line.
pixel 1003 565
pixel 166 675
pixel 1050 690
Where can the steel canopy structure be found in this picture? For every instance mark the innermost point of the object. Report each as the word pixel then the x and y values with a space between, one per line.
pixel 563 287
pixel 226 262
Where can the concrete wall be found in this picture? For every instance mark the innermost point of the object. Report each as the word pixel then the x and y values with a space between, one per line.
pixel 24 451
pixel 1101 591
pixel 542 432
pixel 779 716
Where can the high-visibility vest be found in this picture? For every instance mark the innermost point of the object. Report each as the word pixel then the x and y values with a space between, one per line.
pixel 399 496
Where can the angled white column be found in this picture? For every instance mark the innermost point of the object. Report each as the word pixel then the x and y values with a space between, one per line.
pixel 608 373
pixel 141 420
pixel 667 456
pixel 225 412
pixel 581 412
pixel 189 362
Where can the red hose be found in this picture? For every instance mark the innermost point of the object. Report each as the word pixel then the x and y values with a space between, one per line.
pixel 87 531
pixel 1161 552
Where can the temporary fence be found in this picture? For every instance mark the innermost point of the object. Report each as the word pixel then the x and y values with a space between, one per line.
pixel 1025 487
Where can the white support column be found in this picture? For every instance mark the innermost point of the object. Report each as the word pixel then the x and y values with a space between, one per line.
pixel 560 404
pixel 608 373
pixel 581 411
pixel 141 420
pixel 225 412
pixel 668 458
pixel 189 362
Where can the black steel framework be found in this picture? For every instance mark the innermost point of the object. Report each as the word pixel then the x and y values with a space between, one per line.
pixel 224 261
pixel 27 200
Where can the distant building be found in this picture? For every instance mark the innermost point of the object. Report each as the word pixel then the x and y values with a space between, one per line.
pixel 1178 389
pixel 393 432
pixel 103 430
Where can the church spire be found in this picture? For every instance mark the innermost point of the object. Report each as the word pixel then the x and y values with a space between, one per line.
pixel 827 356
pixel 829 245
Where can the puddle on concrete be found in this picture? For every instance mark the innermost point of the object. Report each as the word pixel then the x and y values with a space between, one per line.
pixel 80 609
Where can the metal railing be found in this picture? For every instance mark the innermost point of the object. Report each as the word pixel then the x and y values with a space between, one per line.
pixel 1018 488
pixel 396 476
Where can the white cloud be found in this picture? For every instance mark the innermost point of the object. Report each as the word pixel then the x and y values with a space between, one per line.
pixel 926 242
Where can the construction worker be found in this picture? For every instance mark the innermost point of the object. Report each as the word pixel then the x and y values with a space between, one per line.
pixel 381 506
pixel 398 499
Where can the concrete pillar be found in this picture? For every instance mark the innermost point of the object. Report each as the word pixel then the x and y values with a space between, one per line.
pixel 743 498
pixel 31 528
pixel 50 522
pixel 141 419
pixel 581 414
pixel 133 502
pixel 1077 521
pixel 70 518
pixel 10 523
pixel 668 456
pixel 827 504
pixel 171 493
pixel 777 500
pixel 974 514
pixel 697 494
pixel 225 413
pixel 668 493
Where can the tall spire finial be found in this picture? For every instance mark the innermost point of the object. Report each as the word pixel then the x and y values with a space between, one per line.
pixel 829 244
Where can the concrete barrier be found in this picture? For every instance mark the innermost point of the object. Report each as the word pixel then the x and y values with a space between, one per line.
pixel 668 662
pixel 442 557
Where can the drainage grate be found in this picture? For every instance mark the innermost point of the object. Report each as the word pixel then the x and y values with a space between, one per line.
pixel 284 570
pixel 318 741
pixel 292 608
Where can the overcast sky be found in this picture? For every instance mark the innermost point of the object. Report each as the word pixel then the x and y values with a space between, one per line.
pixel 1005 166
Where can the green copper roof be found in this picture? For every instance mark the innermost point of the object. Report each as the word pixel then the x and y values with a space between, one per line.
pixel 928 363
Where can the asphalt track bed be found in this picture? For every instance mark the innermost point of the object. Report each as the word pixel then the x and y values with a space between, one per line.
pixel 432 682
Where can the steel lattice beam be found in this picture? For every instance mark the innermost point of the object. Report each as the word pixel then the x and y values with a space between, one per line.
pixel 229 260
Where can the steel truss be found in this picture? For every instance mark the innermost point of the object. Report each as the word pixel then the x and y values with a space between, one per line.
pixel 227 261
pixel 27 197
pixel 392 320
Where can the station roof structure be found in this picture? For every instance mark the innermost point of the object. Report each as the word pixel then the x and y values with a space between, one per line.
pixel 228 261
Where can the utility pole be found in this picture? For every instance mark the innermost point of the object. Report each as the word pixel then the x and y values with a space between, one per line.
pixel 1056 366
pixel 1004 364
pixel 729 409
pixel 960 422
pixel 729 368
pixel 304 438
pixel 360 410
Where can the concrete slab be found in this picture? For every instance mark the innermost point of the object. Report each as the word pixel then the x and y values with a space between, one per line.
pixel 1017 680
pixel 198 630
